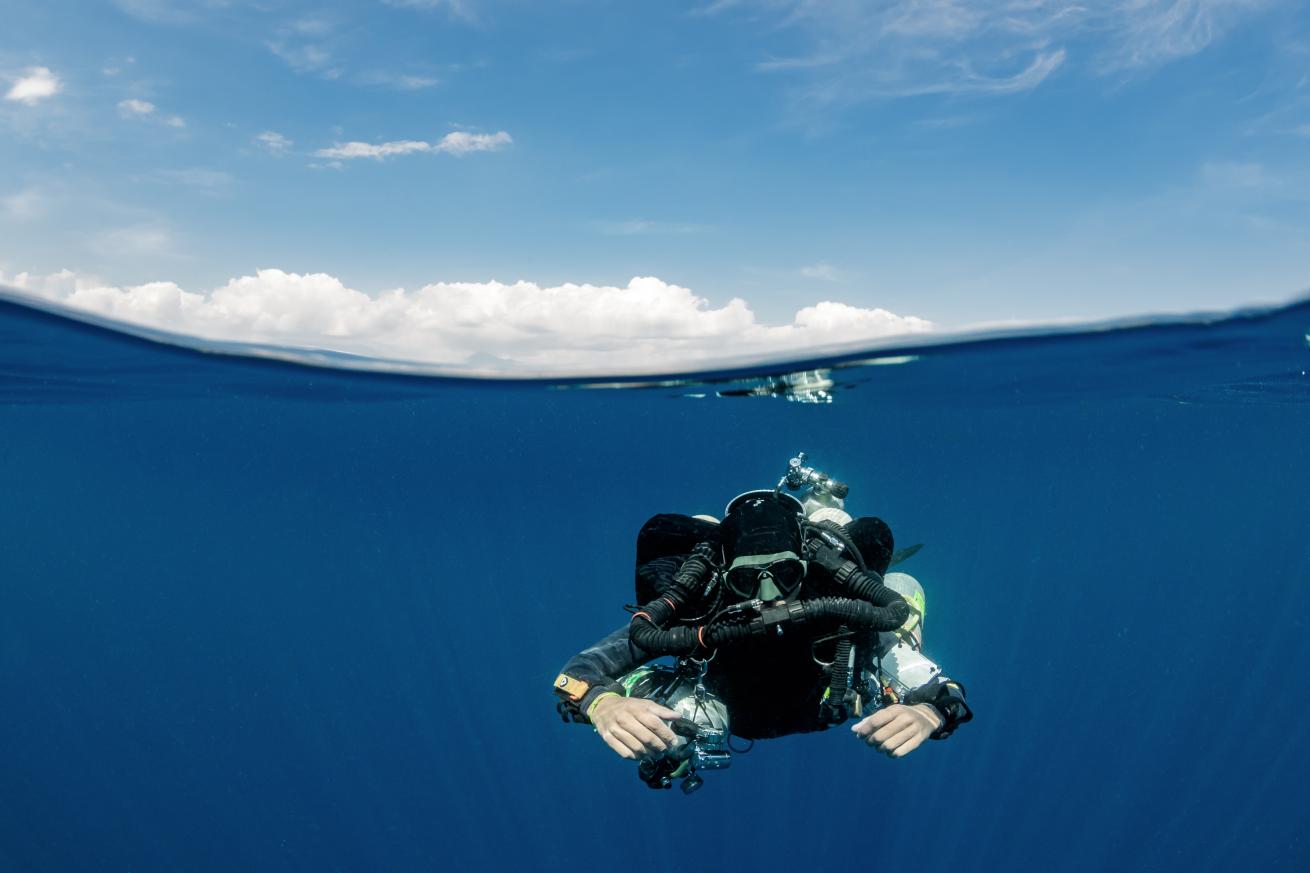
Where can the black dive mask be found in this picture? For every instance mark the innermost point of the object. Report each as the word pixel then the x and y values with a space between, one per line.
pixel 748 579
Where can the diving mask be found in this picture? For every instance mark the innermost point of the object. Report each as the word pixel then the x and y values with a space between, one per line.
pixel 767 577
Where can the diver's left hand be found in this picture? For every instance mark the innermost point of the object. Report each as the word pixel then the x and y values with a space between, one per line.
pixel 898 729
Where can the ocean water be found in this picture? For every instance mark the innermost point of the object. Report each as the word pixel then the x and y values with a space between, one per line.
pixel 260 616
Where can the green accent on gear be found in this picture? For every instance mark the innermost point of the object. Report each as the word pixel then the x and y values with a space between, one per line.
pixel 919 603
pixel 630 681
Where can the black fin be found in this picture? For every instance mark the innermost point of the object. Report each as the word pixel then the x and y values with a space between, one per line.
pixel 904 554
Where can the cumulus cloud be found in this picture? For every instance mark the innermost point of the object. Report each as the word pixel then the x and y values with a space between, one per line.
pixel 351 150
pixel 459 143
pixel 647 326
pixel 36 84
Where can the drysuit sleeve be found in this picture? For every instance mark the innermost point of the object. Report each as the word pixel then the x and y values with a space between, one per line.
pixel 596 670
pixel 915 678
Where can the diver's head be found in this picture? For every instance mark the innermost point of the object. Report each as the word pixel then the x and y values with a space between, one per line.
pixel 762 545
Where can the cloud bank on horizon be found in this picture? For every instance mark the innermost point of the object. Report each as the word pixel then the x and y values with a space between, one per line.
pixel 484 328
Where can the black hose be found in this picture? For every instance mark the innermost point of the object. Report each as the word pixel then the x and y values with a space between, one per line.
pixel 859 614
pixel 838 680
pixel 866 585
pixel 686 586
pixel 689 583
pixel 647 630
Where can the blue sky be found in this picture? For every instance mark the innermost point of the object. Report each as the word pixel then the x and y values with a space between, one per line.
pixel 956 162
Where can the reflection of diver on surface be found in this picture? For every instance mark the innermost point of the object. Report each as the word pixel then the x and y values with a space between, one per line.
pixel 781 621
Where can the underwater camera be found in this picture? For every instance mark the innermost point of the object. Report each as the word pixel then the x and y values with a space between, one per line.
pixel 701 729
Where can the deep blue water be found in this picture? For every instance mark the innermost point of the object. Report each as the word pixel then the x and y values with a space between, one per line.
pixel 257 616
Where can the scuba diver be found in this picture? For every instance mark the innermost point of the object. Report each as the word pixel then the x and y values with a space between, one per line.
pixel 782 619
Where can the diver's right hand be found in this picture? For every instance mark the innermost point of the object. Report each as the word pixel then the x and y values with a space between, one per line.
pixel 634 727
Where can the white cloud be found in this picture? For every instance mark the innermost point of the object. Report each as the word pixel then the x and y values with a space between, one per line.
pixel 647 326
pixel 351 150
pixel 1147 33
pixel 855 50
pixel 824 271
pixel 135 108
pixel 36 84
pixel 415 83
pixel 461 142
pixel 458 143
pixel 840 320
pixel 274 142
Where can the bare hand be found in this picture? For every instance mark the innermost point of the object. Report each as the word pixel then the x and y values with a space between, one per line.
pixel 634 727
pixel 897 730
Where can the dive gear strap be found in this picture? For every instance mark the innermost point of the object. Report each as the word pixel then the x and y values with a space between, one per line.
pixel 578 696
pixel 948 699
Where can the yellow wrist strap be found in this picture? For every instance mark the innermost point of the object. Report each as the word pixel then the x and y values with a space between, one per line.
pixel 599 698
